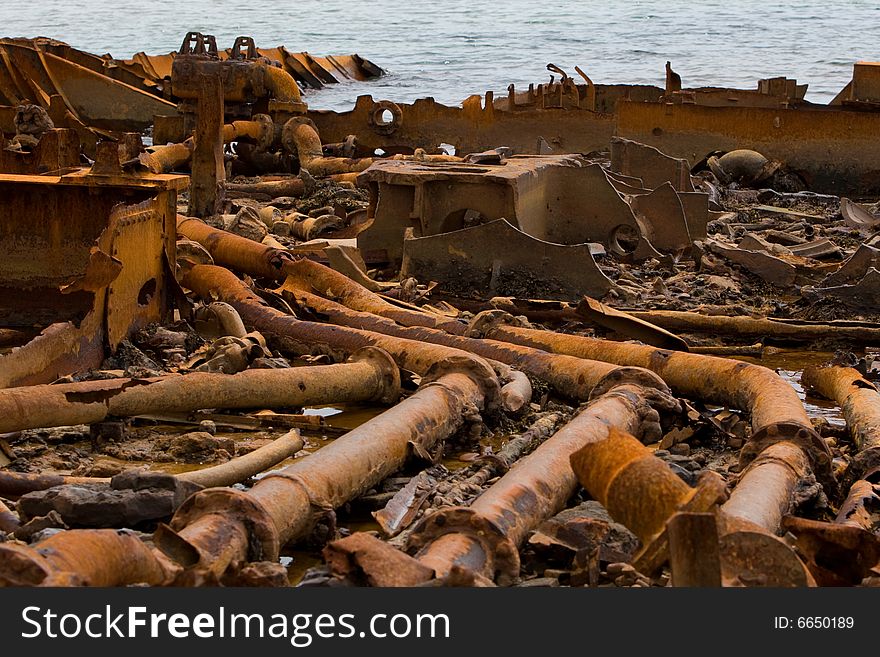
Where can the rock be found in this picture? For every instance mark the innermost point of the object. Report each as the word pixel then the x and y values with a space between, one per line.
pixel 199 447
pixel 208 426
pixel 247 223
pixel 680 449
pixel 52 520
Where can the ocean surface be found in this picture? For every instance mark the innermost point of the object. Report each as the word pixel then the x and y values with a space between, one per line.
pixel 454 48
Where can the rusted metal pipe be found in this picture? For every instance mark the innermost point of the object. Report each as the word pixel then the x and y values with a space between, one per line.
pixel 247 465
pixel 641 491
pixel 299 136
pixel 371 375
pixel 763 494
pixel 285 505
pixel 485 536
pixel 411 347
pixel 83 557
pixel 572 377
pixel 859 400
pixel 775 411
pixel 15 484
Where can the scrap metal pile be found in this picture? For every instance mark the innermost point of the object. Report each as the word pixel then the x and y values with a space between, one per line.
pixel 513 343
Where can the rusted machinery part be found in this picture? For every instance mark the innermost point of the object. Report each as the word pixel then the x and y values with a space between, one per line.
pixel 286 505
pixel 643 493
pixel 859 400
pixel 312 276
pixel 247 465
pixel 516 389
pixel 776 412
pixel 9 522
pixel 310 228
pixel 371 376
pixel 83 557
pixel 212 282
pixel 167 158
pixel 484 537
pixel 15 484
pixel 300 136
pixel 570 376
pixel 260 131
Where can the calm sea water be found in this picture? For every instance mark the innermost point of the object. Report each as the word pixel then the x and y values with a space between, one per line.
pixel 453 48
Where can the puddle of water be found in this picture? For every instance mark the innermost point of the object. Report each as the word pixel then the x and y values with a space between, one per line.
pixel 790 366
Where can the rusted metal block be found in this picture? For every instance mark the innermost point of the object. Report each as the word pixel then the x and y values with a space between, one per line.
pixel 834 150
pixel 557 199
pixel 57 150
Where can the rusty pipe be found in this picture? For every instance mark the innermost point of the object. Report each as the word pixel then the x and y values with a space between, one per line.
pixel 246 256
pixel 641 491
pixel 371 375
pixel 15 484
pixel 763 494
pixel 859 401
pixel 299 136
pixel 247 465
pixel 281 85
pixel 83 557
pixel 775 411
pixel 285 505
pixel 570 376
pixel 484 537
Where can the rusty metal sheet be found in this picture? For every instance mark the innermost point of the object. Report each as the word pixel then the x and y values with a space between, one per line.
pixel 497 258
pixel 834 150
pixel 646 162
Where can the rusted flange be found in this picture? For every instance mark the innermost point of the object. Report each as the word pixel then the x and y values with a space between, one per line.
pixel 230 502
pixel 388 370
pixel 756 558
pixel 379 124
pixel 708 493
pixel 806 438
pixel 477 369
pixel 502 557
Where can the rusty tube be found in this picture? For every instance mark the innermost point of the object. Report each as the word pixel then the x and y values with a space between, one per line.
pixel 756 389
pixel 369 376
pixel 299 136
pixel 643 493
pixel 283 505
pixel 168 158
pixel 15 484
pixel 281 85
pixel 83 557
pixel 247 465
pixel 570 376
pixel 484 537
pixel 763 494
pixel 859 401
